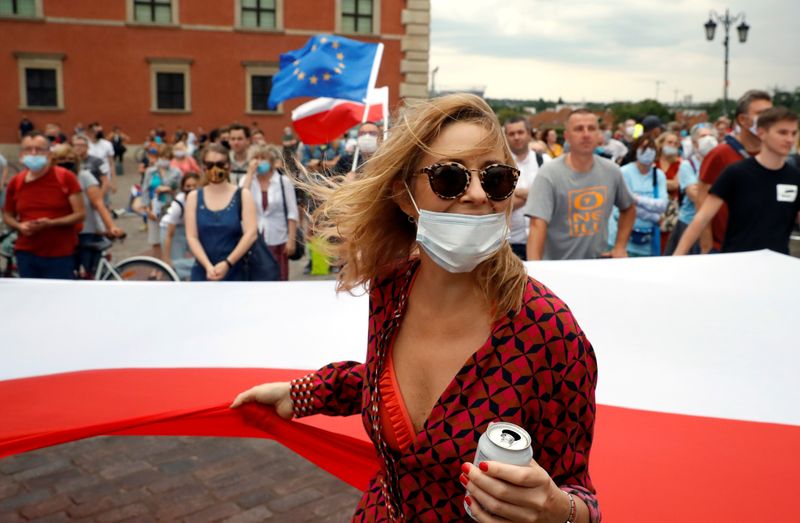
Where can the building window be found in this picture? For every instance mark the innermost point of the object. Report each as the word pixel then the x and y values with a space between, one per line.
pixel 259 13
pixel 170 85
pixel 41 81
pixel 41 87
pixel 170 91
pixel 26 8
pixel 258 82
pixel 260 86
pixel 357 16
pixel 153 11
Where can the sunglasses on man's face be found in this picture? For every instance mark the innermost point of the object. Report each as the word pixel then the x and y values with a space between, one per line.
pixel 450 180
pixel 220 165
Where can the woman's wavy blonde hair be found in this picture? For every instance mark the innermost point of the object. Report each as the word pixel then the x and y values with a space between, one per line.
pixel 361 224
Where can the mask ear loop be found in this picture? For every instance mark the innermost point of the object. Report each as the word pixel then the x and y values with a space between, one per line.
pixel 411 218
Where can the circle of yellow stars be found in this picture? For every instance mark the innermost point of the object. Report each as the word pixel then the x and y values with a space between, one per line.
pixel 327 75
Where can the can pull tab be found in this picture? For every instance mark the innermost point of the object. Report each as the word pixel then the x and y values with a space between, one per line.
pixel 509 437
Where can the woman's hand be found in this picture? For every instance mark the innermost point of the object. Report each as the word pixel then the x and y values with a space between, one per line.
pixel 276 394
pixel 220 270
pixel 500 492
pixel 291 246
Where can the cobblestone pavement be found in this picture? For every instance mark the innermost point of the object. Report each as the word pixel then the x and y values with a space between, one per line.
pixel 194 480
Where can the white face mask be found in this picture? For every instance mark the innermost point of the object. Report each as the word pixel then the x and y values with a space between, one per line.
pixel 754 128
pixel 459 242
pixel 669 150
pixel 705 144
pixel 367 143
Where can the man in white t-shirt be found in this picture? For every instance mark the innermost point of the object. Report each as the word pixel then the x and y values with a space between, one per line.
pixel 101 148
pixel 518 136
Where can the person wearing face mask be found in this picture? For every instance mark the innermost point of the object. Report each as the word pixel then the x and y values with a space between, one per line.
pixel 703 140
pixel 101 148
pixel 182 160
pixel 648 184
pixel 44 204
pixel 220 221
pixel 368 139
pixel 424 228
pixel 669 161
pixel 276 204
pixel 173 231
pixel 97 223
pixel 743 143
pixel 761 192
pixel 160 184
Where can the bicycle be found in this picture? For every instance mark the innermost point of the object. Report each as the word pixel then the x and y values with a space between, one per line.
pixel 7 240
pixel 135 268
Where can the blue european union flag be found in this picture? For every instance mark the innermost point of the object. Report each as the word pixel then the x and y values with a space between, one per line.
pixel 331 66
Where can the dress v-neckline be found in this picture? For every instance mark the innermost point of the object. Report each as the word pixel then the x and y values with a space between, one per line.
pixel 469 362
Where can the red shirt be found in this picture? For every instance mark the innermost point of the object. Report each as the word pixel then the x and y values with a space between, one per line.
pixel 713 164
pixel 671 173
pixel 44 197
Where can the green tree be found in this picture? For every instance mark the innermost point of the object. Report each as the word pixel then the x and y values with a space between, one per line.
pixel 638 110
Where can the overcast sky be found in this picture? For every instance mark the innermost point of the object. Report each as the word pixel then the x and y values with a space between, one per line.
pixel 605 50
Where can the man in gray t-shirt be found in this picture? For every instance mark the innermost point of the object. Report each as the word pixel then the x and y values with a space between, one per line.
pixel 573 196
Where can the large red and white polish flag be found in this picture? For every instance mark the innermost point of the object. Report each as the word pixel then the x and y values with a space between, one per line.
pixel 697 399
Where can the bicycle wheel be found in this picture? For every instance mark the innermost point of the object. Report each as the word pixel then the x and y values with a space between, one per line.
pixel 141 268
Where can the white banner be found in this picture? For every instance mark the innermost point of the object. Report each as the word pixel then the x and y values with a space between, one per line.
pixel 702 335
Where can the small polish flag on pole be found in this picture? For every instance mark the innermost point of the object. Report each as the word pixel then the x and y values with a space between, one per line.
pixel 324 119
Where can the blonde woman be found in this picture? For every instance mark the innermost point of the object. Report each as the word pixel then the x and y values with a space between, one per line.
pixel 459 335
pixel 276 204
pixel 220 221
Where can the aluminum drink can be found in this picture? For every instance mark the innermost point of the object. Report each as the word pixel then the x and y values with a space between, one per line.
pixel 506 443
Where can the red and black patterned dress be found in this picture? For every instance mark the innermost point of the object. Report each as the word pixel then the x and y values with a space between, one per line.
pixel 537 370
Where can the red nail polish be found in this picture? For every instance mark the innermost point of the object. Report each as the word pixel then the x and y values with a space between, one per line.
pixel 484 466
pixel 468 500
pixel 465 468
pixel 463 479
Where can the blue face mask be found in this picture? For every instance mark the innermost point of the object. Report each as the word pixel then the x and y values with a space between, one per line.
pixel 34 162
pixel 263 167
pixel 646 156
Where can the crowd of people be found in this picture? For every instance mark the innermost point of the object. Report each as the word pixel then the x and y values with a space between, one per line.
pixel 595 192
pixel 641 190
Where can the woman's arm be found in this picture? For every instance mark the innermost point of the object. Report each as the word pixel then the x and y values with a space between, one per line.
pixel 192 237
pixel 166 252
pixel 249 228
pixel 95 196
pixel 293 214
pixel 335 390
pixel 565 427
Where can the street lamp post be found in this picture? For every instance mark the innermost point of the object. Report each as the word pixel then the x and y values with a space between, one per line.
pixel 711 26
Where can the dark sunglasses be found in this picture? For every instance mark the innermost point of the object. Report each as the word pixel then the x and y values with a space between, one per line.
pixel 450 180
pixel 220 165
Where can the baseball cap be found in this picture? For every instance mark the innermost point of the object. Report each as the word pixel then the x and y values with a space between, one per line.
pixel 651 122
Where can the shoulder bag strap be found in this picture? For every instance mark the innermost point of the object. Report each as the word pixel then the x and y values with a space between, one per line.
pixel 283 198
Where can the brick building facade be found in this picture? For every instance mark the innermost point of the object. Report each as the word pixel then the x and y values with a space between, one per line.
pixel 188 63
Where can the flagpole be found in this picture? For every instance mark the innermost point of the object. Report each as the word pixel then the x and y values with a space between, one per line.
pixel 373 77
pixel 363 121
